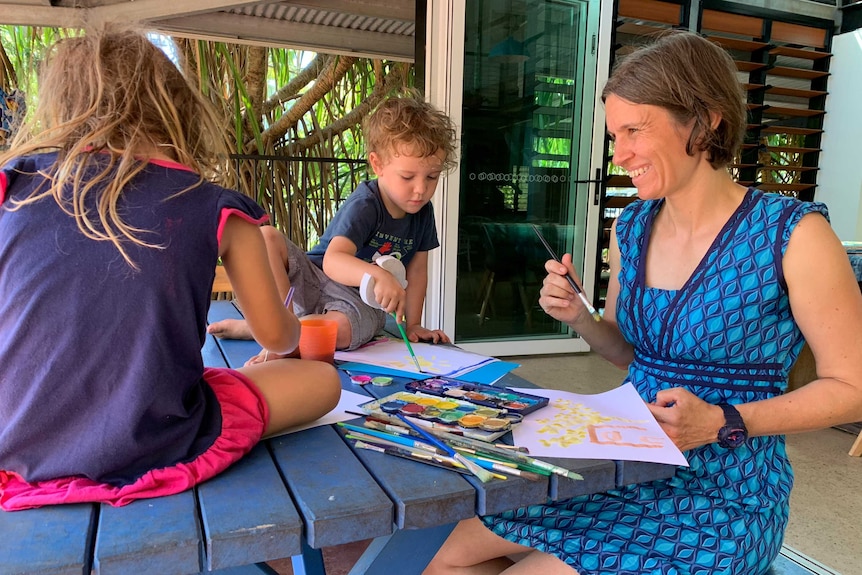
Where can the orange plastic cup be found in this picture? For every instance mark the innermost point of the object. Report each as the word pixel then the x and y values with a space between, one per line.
pixel 317 339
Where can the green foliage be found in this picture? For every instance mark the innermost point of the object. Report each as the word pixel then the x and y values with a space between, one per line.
pixel 21 51
pixel 288 107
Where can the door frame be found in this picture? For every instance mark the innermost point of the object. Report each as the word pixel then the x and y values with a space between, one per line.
pixel 444 49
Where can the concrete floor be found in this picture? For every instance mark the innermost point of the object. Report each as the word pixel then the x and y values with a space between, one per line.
pixel 826 502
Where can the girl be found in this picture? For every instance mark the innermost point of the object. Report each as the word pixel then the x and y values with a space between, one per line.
pixel 111 230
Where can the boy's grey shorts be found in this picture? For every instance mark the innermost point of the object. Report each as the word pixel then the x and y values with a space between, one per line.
pixel 316 294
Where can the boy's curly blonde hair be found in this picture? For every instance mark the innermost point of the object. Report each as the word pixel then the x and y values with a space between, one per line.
pixel 407 124
pixel 108 101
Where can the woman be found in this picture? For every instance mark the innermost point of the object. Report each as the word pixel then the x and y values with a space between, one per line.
pixel 714 289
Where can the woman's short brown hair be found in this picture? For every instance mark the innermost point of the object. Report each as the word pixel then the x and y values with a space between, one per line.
pixel 691 78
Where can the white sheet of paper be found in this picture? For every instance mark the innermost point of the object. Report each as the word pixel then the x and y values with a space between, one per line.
pixel 350 401
pixel 615 424
pixel 444 360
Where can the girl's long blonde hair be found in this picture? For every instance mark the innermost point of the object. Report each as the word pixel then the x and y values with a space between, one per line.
pixel 113 96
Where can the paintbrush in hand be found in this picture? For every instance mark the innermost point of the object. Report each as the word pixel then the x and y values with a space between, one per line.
pixel 407 342
pixel 572 283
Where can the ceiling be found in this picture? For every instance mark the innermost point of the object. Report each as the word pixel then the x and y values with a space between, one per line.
pixel 365 28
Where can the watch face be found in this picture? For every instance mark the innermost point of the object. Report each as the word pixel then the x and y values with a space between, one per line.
pixel 731 437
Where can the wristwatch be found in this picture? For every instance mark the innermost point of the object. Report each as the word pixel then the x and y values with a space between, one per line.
pixel 734 432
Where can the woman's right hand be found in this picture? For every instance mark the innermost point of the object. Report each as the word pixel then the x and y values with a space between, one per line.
pixel 557 297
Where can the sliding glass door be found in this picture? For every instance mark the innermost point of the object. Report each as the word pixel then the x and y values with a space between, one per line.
pixel 527 103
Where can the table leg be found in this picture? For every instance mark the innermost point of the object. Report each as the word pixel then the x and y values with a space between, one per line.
pixel 309 563
pixel 406 552
pixel 856 450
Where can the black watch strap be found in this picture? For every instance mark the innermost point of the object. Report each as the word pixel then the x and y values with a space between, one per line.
pixel 733 433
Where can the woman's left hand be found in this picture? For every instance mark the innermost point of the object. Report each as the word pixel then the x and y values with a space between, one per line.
pixel 688 420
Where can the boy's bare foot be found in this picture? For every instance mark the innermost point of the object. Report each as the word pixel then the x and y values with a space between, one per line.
pixel 230 329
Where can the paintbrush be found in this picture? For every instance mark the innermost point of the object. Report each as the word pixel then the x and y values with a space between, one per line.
pixel 483 474
pixel 392 438
pixel 503 453
pixel 479 454
pixel 407 342
pixel 489 449
pixel 572 283
pixel 404 454
pixel 395 441
pixel 505 469
pixel 356 436
pixel 422 457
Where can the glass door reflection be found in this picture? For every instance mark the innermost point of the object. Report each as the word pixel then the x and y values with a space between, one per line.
pixel 529 79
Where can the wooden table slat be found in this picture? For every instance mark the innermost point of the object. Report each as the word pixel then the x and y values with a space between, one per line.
pixel 339 500
pixel 598 475
pixel 629 472
pixel 212 354
pixel 502 495
pixel 47 541
pixel 160 535
pixel 247 513
pixel 445 497
pixel 256 569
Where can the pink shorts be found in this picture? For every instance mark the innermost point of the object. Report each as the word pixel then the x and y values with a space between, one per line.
pixel 245 415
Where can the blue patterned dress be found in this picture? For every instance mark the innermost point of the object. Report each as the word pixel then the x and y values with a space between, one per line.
pixel 727 335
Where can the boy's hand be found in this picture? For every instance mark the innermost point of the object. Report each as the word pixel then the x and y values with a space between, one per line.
pixel 417 333
pixel 388 293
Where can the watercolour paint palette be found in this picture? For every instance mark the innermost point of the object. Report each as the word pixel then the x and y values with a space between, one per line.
pixel 458 416
pixel 481 395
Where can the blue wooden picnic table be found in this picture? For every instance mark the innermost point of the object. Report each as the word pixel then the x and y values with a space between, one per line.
pixel 290 497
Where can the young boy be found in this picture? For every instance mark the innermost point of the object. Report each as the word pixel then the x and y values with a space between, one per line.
pixel 410 143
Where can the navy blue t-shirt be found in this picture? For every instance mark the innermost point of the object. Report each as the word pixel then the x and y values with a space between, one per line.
pixel 101 371
pixel 364 220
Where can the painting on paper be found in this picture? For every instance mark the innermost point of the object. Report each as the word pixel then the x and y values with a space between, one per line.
pixel 615 424
pixel 434 359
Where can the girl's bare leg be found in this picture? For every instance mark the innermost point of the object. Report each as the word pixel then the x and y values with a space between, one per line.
pixel 297 391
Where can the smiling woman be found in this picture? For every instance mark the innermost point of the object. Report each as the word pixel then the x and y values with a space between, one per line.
pixel 713 290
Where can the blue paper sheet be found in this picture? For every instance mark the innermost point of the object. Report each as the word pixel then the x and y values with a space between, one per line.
pixel 487 374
